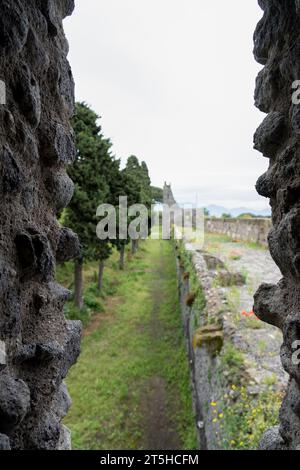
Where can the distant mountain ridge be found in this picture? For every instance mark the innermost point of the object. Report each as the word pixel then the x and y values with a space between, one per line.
pixel 218 211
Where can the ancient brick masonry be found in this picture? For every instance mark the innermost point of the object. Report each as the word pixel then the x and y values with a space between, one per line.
pixel 277 47
pixel 37 344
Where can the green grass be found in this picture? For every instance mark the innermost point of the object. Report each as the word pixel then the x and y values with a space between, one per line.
pixel 255 246
pixel 216 238
pixel 233 299
pixel 270 380
pixel 253 323
pixel 231 363
pixel 214 241
pixel 139 338
pixel 243 418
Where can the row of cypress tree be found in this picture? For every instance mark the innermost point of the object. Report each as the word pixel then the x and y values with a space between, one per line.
pixel 99 179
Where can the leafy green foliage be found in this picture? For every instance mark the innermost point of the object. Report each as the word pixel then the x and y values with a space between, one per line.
pixel 92 305
pixel 96 176
pixel 245 420
pixel 136 185
pixel 140 180
pixel 157 194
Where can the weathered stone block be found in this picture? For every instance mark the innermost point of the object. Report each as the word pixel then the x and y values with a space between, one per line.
pixel 272 440
pixel 269 304
pixel 277 46
pixel 27 94
pixel 36 140
pixel 14 26
pixel 210 336
pixel 60 188
pixel 4 442
pixel 35 255
pixel 68 246
pixel 12 177
pixel 14 402
pixel 58 145
pixel 268 136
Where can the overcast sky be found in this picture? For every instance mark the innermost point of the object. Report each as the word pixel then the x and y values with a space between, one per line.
pixel 173 81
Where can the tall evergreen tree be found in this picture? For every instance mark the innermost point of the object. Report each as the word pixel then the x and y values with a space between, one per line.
pixel 157 194
pixel 112 175
pixel 89 172
pixel 129 188
pixel 139 175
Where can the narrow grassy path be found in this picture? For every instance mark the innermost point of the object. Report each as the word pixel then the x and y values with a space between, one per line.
pixel 130 388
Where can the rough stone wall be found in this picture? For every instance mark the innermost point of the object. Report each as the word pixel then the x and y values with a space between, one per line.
pixel 277 47
pixel 202 358
pixel 248 230
pixel 37 344
pixel 207 329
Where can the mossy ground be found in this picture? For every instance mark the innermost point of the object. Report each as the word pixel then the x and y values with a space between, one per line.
pixel 138 337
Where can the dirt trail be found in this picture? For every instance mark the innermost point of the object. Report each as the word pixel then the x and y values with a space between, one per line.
pixel 160 431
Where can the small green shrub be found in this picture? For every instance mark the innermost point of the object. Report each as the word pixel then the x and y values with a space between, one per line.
pixel 270 380
pixel 73 313
pixel 232 363
pixel 254 323
pixel 233 298
pixel 244 420
pixel 92 304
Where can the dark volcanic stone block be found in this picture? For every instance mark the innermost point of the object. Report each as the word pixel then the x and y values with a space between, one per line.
pixel 36 144
pixel 277 45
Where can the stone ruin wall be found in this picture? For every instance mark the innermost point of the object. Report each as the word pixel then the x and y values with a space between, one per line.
pixel 246 230
pixel 204 342
pixel 277 48
pixel 168 197
pixel 38 345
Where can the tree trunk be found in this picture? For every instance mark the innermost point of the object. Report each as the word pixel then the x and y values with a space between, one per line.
pixel 78 299
pixel 133 246
pixel 122 257
pixel 100 275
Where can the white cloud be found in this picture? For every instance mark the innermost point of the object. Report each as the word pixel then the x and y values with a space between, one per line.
pixel 174 81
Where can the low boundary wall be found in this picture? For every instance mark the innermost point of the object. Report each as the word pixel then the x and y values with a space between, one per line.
pixel 248 230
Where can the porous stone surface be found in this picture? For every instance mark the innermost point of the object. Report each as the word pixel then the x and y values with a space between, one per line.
pixel 37 344
pixel 277 47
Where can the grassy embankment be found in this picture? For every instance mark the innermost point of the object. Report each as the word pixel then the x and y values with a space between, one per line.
pixel 132 377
